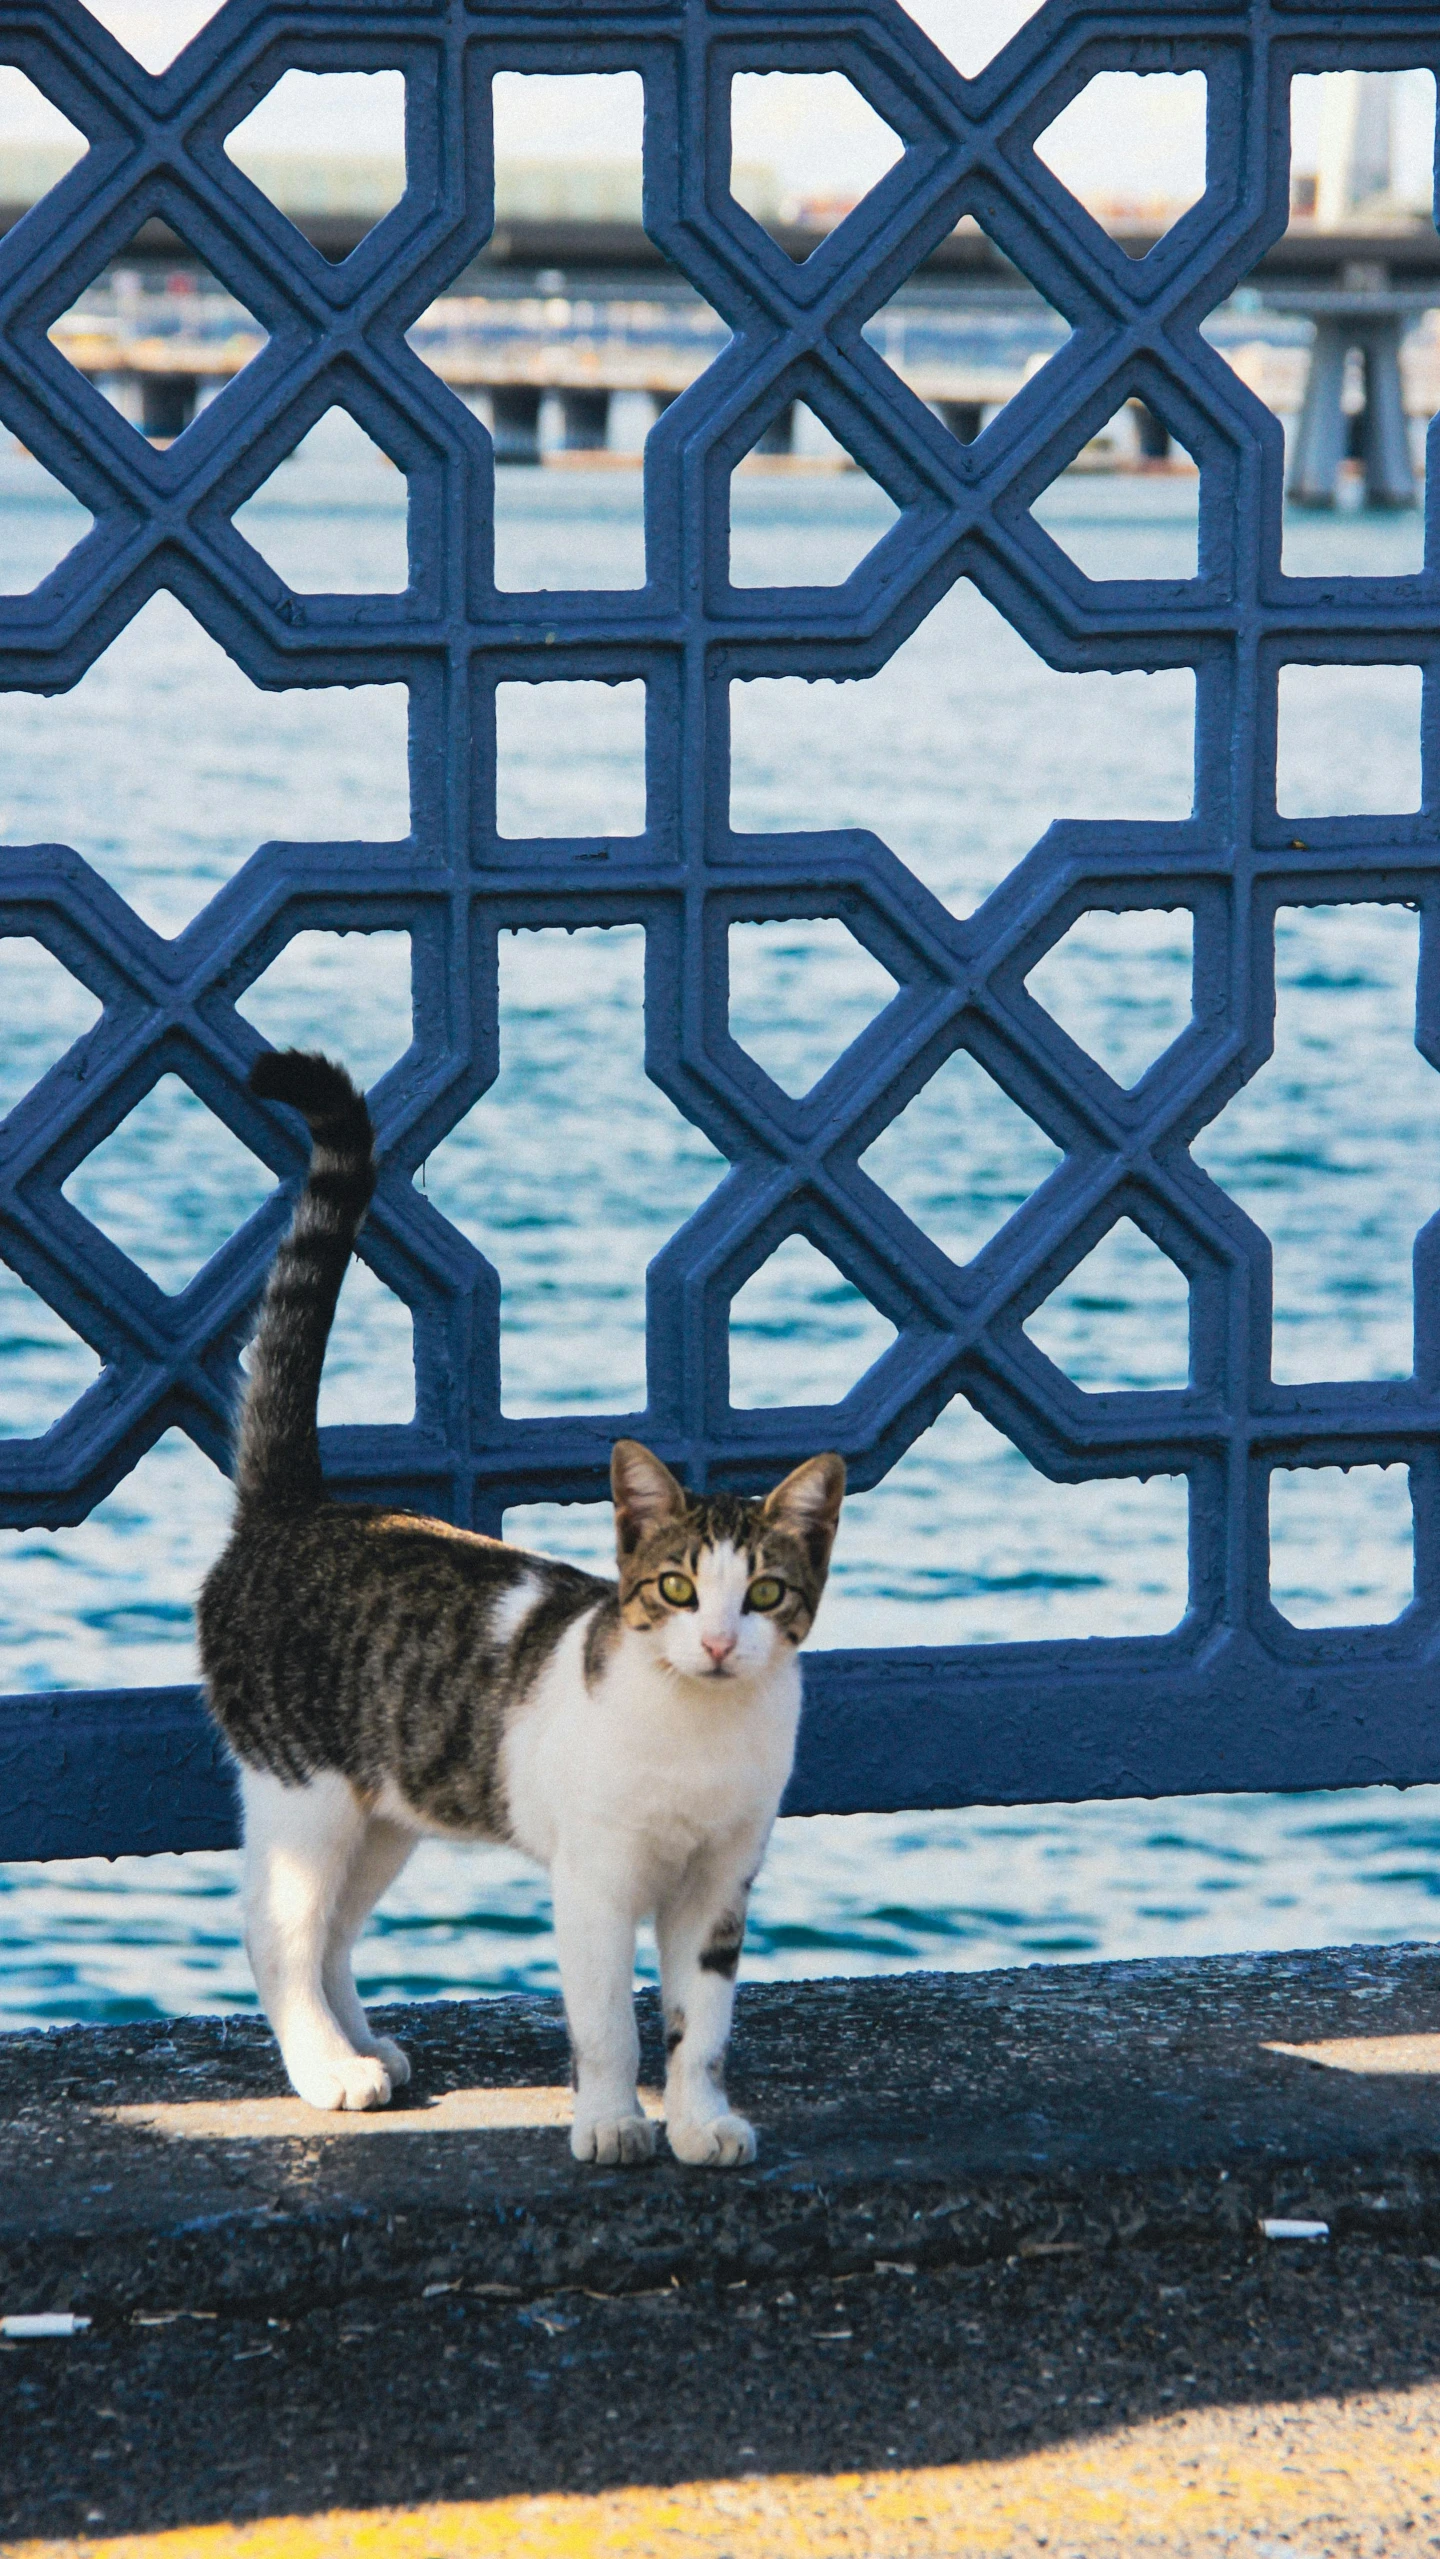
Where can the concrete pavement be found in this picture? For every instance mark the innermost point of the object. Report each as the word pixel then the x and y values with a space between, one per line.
pixel 998 2273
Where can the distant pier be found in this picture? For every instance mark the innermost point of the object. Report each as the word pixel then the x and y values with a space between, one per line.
pixel 579 309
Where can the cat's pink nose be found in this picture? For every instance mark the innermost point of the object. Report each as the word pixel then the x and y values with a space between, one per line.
pixel 719 1647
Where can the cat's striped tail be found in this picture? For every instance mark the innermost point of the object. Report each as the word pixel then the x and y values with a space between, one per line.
pixel 278 1454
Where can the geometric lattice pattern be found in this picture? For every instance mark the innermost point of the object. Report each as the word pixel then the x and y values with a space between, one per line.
pixel 1262 1695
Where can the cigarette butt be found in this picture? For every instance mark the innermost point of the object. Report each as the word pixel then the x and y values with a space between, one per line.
pixel 42 2323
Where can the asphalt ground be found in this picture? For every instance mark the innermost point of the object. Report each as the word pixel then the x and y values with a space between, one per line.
pixel 998 2282
pixel 1167 2399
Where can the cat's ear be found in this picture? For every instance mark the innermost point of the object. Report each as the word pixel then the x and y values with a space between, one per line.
pixel 808 1504
pixel 644 1493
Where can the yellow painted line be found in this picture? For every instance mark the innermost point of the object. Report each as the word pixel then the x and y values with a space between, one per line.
pixel 1173 2484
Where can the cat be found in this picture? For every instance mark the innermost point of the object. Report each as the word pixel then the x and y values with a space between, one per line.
pixel 381 1677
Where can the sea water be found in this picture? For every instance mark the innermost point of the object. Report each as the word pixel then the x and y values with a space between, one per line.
pixel 166 768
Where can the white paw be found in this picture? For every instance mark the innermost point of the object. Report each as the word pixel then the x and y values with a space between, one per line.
pixel 343 2087
pixel 397 2063
pixel 617 2141
pixel 727 2141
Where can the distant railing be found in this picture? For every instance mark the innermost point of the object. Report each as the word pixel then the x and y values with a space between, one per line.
pixel 1236 1696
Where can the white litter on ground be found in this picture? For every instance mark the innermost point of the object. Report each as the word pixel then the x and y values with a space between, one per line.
pixel 42 2323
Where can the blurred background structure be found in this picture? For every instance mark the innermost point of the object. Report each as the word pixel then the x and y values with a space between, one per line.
pixel 570 332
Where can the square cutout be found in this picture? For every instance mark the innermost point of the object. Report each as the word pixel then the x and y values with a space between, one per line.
pixel 570 760
pixel 1348 741
pixel 1362 143
pixel 961 1157
pixel 567 131
pixel 1342 1544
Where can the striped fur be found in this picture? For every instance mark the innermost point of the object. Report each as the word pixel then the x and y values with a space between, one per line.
pixel 278 1458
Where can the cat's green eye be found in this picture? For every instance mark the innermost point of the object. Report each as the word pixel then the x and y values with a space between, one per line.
pixel 678 1589
pixel 766 1594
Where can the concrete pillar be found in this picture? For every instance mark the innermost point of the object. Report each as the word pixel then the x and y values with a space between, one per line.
pixel 1322 434
pixel 964 418
pixel 1385 441
pixel 167 405
pixel 1319 446
pixel 515 410
pixel 779 436
pixel 585 417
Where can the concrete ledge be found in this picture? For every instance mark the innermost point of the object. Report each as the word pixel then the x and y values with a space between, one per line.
pixel 924 2120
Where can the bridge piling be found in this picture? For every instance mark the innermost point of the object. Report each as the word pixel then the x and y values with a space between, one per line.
pixel 779 436
pixel 1322 435
pixel 585 418
pixel 964 418
pixel 1151 432
pixel 167 405
pixel 515 422
pixel 1385 449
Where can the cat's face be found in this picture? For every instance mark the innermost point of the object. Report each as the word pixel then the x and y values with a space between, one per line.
pixel 722 1587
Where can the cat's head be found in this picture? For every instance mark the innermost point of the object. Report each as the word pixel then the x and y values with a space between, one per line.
pixel 724 1587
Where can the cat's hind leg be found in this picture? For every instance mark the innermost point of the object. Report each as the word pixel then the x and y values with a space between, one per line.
pixel 383 1850
pixel 699 1929
pixel 300 1845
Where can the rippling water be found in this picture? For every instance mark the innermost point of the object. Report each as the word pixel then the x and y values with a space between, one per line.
pixel 166 768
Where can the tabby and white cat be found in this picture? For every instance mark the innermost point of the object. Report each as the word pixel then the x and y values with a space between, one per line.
pixel 381 1676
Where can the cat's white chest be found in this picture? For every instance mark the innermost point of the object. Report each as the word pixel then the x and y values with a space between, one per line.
pixel 645 1762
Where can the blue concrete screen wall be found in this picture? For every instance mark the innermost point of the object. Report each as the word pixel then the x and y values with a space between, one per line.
pixel 1236 1697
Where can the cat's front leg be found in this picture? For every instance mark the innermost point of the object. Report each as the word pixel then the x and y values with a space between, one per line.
pixel 595 1941
pixel 700 1929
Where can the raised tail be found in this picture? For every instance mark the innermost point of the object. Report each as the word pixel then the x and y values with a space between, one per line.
pixel 278 1456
